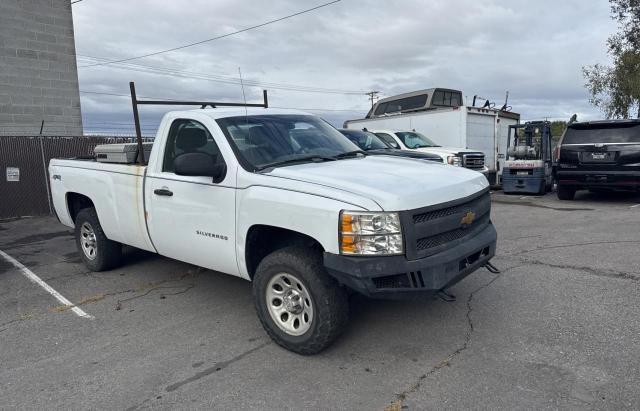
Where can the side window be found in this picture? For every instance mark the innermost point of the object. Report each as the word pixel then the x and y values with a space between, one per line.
pixel 188 136
pixel 381 109
pixel 456 99
pixel 403 104
pixel 388 139
pixel 447 99
pixel 438 98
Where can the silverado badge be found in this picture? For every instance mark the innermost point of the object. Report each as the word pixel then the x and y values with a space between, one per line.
pixel 468 218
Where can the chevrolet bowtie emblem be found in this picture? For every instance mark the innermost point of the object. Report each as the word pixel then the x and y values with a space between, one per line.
pixel 468 219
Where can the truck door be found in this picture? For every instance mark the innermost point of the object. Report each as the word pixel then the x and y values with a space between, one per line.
pixel 192 218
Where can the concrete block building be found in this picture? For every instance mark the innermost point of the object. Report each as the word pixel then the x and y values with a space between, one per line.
pixel 38 72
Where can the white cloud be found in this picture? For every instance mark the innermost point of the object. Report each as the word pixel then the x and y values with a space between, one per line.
pixel 533 49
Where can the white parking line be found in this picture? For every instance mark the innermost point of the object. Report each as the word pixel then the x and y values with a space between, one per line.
pixel 37 280
pixel 634 206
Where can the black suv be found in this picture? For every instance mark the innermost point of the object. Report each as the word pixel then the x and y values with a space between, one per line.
pixel 599 155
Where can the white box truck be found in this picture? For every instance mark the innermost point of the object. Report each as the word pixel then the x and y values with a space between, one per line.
pixel 440 114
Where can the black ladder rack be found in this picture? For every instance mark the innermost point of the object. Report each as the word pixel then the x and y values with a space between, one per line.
pixel 203 104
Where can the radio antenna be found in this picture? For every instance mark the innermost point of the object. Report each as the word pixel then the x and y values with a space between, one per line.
pixel 244 97
pixel 506 106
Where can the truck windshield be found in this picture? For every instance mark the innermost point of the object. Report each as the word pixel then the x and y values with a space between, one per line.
pixel 603 133
pixel 273 140
pixel 411 139
pixel 365 140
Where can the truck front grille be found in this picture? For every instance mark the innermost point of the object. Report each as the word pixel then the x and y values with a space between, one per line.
pixel 431 230
pixel 443 212
pixel 446 237
pixel 473 161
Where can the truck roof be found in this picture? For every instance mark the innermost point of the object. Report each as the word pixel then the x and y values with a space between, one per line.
pixel 414 93
pixel 223 112
pixel 597 123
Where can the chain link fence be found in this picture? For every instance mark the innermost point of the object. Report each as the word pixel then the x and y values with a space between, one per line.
pixel 24 162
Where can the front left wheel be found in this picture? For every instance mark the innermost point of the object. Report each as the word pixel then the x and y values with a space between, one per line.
pixel 300 306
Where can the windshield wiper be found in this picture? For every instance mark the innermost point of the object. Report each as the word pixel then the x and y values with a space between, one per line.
pixel 349 154
pixel 306 159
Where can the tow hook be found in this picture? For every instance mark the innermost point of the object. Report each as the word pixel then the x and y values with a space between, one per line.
pixel 446 297
pixel 491 268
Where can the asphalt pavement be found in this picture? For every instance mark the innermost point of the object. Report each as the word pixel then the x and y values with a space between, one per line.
pixel 559 327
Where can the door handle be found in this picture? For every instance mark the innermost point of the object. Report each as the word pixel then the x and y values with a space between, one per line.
pixel 163 192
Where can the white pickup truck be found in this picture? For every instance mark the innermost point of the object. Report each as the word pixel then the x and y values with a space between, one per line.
pixel 412 140
pixel 282 199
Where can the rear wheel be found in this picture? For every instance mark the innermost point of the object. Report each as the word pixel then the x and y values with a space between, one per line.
pixel 566 192
pixel 96 250
pixel 300 306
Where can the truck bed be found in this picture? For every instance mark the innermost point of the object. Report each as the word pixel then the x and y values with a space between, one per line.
pixel 117 191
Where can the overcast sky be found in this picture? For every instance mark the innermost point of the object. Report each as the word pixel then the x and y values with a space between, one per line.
pixel 534 49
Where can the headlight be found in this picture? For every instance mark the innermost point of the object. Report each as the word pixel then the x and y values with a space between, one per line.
pixel 370 233
pixel 454 161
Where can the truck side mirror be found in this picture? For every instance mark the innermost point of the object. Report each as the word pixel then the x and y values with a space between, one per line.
pixel 201 165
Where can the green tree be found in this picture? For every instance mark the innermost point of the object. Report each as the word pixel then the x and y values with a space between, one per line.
pixel 615 89
pixel 557 128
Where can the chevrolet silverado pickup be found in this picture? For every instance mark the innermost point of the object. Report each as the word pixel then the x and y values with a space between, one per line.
pixel 282 199
pixel 599 156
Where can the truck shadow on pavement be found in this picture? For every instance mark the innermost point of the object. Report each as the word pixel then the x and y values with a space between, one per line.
pixel 401 323
pixel 604 197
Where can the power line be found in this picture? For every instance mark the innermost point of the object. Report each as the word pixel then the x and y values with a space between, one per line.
pixel 213 38
pixel 174 72
pixel 171 99
pixel 226 79
pixel 120 123
pixel 321 109
pixel 124 95
pixel 76 1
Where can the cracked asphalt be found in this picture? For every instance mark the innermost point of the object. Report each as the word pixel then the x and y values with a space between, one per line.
pixel 559 327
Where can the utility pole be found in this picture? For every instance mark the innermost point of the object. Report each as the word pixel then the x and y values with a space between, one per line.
pixel 373 95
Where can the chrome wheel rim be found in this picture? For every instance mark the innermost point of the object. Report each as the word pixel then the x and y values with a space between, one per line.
pixel 289 304
pixel 88 241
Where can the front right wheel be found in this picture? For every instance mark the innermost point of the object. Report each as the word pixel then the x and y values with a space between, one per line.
pixel 300 306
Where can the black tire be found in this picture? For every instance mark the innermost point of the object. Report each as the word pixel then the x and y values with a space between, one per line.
pixel 106 253
pixel 329 300
pixel 566 192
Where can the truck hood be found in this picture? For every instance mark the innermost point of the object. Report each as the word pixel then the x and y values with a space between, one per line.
pixel 447 151
pixel 395 184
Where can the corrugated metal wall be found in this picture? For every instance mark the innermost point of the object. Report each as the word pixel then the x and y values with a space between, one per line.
pixel 29 196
